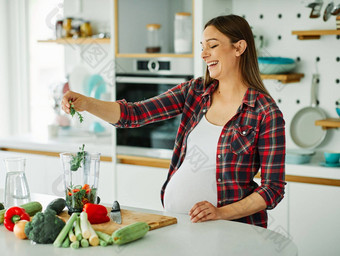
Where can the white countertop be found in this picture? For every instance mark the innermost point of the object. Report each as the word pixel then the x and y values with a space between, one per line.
pixel 104 145
pixel 183 238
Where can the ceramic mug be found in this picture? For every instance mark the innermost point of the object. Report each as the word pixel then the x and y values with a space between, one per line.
pixel 332 157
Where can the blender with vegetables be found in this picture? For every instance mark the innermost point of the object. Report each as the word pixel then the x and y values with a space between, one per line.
pixel 81 174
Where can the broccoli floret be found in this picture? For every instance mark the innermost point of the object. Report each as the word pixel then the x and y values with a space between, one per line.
pixel 44 227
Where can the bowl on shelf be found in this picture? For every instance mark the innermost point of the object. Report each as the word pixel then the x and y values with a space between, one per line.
pixel 275 65
pixel 299 156
pixel 332 157
pixel 338 111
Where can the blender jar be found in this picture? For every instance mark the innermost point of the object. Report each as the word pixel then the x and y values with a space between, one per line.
pixel 153 38
pixel 80 179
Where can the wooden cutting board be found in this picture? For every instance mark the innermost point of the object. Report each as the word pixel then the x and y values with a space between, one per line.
pixel 128 217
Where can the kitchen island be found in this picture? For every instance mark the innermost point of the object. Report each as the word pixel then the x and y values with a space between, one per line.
pixel 184 238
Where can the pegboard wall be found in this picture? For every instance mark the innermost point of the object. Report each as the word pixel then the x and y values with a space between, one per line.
pixel 275 20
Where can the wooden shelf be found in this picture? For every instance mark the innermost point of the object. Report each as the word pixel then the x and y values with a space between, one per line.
pixel 82 40
pixel 314 34
pixel 328 123
pixel 153 55
pixel 284 78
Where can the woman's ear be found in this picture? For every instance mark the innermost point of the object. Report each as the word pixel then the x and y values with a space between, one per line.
pixel 240 47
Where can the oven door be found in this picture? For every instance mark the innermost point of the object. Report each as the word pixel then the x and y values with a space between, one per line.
pixel 156 139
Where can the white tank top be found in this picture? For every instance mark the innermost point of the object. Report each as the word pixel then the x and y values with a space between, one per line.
pixel 195 180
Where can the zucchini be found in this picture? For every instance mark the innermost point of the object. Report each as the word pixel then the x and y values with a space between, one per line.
pixel 130 233
pixel 2 206
pixel 57 205
pixel 31 208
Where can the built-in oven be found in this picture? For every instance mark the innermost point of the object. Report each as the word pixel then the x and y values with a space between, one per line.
pixel 139 79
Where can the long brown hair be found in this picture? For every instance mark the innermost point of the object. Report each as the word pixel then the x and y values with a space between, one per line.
pixel 237 28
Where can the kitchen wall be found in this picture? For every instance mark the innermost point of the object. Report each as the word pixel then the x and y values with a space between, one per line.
pixel 326 49
pixel 274 20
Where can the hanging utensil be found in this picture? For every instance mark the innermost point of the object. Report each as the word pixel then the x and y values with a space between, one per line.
pixel 303 130
pixel 316 9
pixel 328 10
pixel 336 10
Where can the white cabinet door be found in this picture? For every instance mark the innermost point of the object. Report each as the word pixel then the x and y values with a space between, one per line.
pixel 140 186
pixel 314 218
pixel 278 217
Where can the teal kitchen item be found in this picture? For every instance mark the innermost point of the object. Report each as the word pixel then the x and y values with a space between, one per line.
pixel 332 157
pixel 299 156
pixel 96 127
pixel 338 111
pixel 275 65
pixel 95 86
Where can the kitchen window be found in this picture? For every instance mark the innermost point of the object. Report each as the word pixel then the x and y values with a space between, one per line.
pixel 46 63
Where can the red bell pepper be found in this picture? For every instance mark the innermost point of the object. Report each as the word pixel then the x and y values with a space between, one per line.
pixel 96 213
pixel 13 215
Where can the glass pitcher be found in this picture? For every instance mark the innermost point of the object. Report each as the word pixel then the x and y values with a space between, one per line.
pixel 16 186
pixel 80 179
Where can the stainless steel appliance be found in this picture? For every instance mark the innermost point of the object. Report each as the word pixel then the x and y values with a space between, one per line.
pixel 139 79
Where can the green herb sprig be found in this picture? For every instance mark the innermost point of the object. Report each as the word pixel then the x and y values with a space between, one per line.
pixel 73 111
pixel 78 159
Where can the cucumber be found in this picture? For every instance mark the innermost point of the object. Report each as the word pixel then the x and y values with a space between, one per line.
pixel 57 205
pixel 130 233
pixel 31 208
pixel 2 206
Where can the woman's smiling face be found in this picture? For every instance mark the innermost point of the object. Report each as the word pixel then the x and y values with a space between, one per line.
pixel 219 53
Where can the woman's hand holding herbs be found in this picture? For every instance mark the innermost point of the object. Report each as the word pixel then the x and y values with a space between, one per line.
pixel 73 103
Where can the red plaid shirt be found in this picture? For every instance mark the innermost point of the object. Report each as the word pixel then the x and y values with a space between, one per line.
pixel 254 138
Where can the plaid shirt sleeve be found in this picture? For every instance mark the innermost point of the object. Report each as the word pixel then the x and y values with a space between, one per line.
pixel 161 107
pixel 271 148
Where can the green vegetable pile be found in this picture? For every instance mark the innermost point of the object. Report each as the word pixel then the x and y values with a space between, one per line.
pixel 78 159
pixel 73 111
pixel 44 227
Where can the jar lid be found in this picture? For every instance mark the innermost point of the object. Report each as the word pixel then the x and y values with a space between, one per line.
pixel 153 26
pixel 183 13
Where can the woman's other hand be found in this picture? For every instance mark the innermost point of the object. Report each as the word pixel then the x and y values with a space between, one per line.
pixel 204 211
pixel 79 101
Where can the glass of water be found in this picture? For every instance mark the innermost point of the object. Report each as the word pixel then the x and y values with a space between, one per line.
pixel 16 187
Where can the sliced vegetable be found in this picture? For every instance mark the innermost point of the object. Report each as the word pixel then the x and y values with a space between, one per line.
pixel 94 239
pixel 96 213
pixel 57 205
pixel 84 242
pixel 71 235
pixel 31 209
pixel 85 231
pixel 102 242
pixel 66 243
pixel 19 229
pixel 75 245
pixel 103 236
pixel 64 232
pixel 130 233
pixel 13 215
pixel 77 230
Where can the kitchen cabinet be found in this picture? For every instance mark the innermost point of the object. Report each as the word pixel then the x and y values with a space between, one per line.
pixel 140 186
pixel 131 18
pixel 314 223
pixel 278 217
